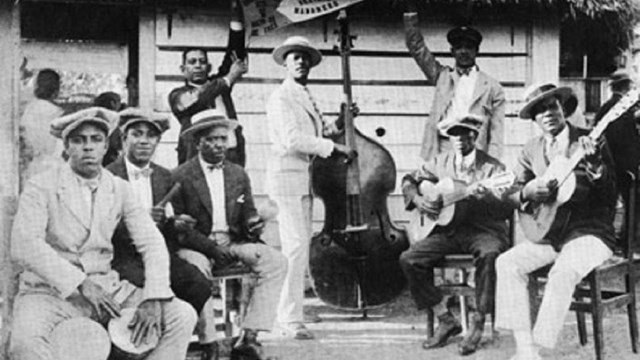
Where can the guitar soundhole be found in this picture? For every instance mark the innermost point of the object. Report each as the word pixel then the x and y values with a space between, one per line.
pixel 380 132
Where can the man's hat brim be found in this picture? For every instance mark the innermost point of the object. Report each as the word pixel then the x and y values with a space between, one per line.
pixel 208 124
pixel 281 52
pixel 567 98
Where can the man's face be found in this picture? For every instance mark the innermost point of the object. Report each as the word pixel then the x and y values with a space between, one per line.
pixel 213 143
pixel 86 147
pixel 298 65
pixel 140 142
pixel 463 140
pixel 549 115
pixel 464 52
pixel 196 67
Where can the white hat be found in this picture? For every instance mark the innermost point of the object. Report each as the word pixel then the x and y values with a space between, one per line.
pixel 207 119
pixel 296 43
pixel 104 118
pixel 536 93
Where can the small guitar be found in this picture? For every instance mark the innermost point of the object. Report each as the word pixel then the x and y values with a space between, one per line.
pixel 536 223
pixel 452 191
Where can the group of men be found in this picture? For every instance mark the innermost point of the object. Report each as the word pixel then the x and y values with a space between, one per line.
pixel 93 241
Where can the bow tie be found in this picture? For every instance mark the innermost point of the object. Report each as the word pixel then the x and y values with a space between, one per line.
pixel 91 184
pixel 465 71
pixel 218 166
pixel 137 173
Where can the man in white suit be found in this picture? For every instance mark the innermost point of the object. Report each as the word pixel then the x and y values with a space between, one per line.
pixel 296 130
pixel 62 239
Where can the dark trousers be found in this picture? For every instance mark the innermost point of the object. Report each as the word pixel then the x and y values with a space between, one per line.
pixel 419 260
pixel 187 282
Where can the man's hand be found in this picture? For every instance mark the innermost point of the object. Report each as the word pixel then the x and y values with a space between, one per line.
pixel 478 191
pixel 591 151
pixel 430 207
pixel 255 226
pixel 158 214
pixel 184 223
pixel 146 322
pixel 238 68
pixel 539 190
pixel 102 303
pixel 222 256
pixel 346 151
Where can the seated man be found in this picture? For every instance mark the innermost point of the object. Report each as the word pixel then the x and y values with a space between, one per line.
pixel 150 184
pixel 225 226
pixel 62 238
pixel 481 230
pixel 581 236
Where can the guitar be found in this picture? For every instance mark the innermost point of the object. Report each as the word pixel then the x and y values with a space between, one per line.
pixel 537 222
pixel 452 191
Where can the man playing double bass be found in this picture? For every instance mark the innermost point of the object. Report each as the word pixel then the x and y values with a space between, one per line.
pixel 481 230
pixel 581 236
pixel 296 130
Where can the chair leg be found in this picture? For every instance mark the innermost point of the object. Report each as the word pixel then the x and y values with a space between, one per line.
pixel 582 327
pixel 596 313
pixel 632 314
pixel 430 323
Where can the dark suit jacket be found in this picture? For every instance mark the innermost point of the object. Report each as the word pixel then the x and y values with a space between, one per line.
pixel 624 143
pixel 214 87
pixel 590 210
pixel 488 214
pixel 194 200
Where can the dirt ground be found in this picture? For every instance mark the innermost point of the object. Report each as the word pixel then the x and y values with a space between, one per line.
pixel 396 331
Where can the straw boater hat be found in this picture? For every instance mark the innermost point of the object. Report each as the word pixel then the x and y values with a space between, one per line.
pixel 456 35
pixel 207 119
pixel 296 43
pixel 468 121
pixel 103 118
pixel 536 93
pixel 131 116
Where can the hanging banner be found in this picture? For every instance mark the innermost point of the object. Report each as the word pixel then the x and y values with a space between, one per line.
pixel 264 16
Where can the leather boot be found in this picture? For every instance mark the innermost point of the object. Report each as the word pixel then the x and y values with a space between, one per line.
pixel 247 347
pixel 448 326
pixel 470 343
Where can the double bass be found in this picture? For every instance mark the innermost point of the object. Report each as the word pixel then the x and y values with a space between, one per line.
pixel 353 261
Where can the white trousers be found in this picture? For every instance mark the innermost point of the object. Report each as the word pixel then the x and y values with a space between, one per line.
pixel 37 314
pixel 576 259
pixel 294 222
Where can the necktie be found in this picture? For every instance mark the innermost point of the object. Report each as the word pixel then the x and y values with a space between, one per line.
pixel 553 148
pixel 138 173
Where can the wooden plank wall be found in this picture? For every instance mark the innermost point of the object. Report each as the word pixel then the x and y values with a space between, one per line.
pixel 388 87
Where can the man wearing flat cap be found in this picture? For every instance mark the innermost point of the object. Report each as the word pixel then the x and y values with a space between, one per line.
pixel 623 138
pixel 581 236
pixel 150 183
pixel 481 230
pixel 62 239
pixel 296 130
pixel 459 90
pixel 216 204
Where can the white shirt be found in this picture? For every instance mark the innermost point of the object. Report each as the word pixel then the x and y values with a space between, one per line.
pixel 140 185
pixel 215 183
pixel 87 189
pixel 465 166
pixel 561 146
pixel 462 97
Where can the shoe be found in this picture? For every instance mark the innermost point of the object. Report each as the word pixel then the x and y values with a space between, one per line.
pixel 247 347
pixel 470 343
pixel 297 330
pixel 448 326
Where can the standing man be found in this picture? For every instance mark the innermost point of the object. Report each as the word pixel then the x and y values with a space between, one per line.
pixel 459 90
pixel 581 236
pixel 150 183
pixel 216 200
pixel 62 238
pixel 482 231
pixel 296 128
pixel 203 91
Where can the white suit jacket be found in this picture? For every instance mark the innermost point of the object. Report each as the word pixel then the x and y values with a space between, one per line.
pixel 59 246
pixel 295 131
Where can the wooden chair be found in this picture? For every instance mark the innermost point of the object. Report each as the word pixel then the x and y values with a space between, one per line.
pixel 463 264
pixel 594 294
pixel 236 286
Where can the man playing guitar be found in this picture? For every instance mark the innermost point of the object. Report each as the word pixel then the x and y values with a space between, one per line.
pixel 580 235
pixel 479 228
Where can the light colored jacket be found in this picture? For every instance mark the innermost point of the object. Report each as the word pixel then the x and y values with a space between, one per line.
pixel 295 131
pixel 58 245
pixel 488 98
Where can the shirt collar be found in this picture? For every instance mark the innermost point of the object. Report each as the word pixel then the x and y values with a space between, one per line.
pixel 206 166
pixel 562 137
pixel 131 167
pixel 467 71
pixel 469 159
pixel 91 184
